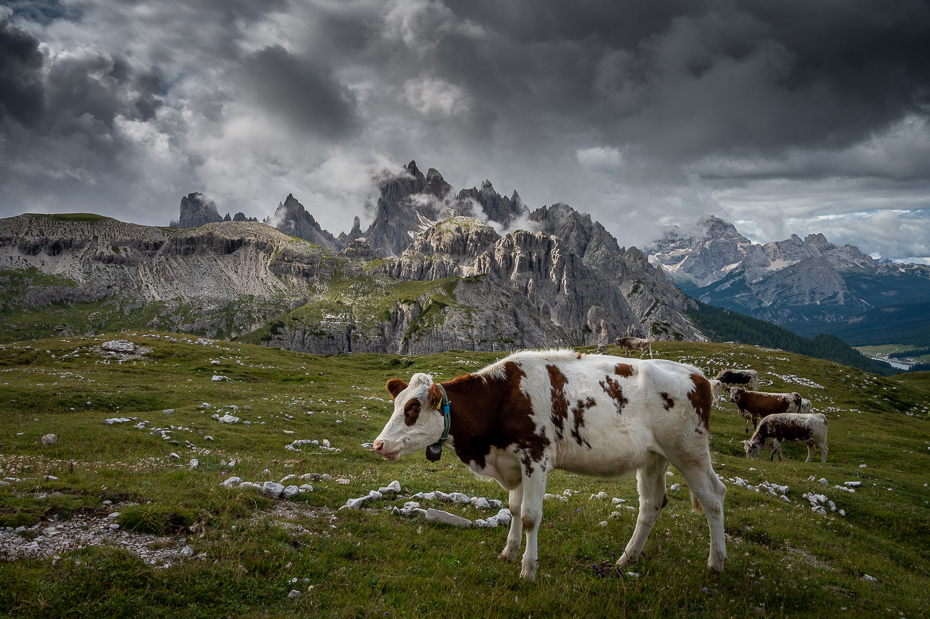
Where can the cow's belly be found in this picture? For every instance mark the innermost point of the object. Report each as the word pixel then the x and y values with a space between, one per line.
pixel 607 454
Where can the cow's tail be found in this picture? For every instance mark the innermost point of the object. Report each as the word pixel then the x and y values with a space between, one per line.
pixel 695 505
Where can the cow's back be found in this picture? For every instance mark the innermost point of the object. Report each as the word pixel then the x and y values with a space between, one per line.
pixel 604 413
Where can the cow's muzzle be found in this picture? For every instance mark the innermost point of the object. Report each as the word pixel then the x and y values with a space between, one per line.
pixel 385 450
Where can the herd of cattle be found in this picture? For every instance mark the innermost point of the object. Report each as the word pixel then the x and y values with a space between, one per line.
pixel 533 412
pixel 776 417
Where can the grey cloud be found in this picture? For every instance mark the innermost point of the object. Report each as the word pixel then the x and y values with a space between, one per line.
pixel 21 62
pixel 299 90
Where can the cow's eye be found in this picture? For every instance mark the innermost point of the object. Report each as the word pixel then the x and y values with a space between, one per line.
pixel 411 412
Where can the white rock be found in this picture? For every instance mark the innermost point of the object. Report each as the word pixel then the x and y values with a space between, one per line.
pixel 290 492
pixel 194 463
pixel 675 487
pixel 294 594
pixel 113 516
pixel 203 406
pixel 482 503
pixel 227 418
pixel 186 552
pixel 459 498
pixel 437 515
pixel 174 456
pixel 862 466
pixel 217 378
pixel 287 478
pixel 168 411
pixel 617 501
pixel 272 490
pixel 250 484
pixel 852 484
pixel 114 527
pixel 868 578
pixel 49 439
pixel 232 481
pixel 355 503
pixel 124 346
pixel 600 496
pixel 391 488
pixel 305 488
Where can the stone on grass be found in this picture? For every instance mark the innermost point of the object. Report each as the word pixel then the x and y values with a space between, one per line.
pixel 294 594
pixel 391 488
pixel 272 490
pixel 227 418
pixel 290 492
pixel 437 515
pixel 49 439
pixel 305 488
pixel 119 346
pixel 250 484
pixel 500 518
pixel 187 551
pixel 232 481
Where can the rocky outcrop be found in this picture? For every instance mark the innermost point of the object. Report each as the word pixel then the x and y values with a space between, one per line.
pixel 196 210
pixel 292 219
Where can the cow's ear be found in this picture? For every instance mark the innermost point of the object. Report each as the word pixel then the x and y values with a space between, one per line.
pixel 395 386
pixel 435 396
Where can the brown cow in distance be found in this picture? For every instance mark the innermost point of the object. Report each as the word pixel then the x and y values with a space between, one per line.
pixel 756 405
pixel 635 343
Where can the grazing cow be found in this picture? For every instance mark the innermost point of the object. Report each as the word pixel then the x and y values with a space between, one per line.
pixel 748 379
pixel 535 411
pixel 756 404
pixel 794 428
pixel 635 343
pixel 716 390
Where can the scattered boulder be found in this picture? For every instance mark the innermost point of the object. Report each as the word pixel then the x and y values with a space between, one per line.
pixel 124 346
pixel 437 515
pixel 49 439
pixel 272 490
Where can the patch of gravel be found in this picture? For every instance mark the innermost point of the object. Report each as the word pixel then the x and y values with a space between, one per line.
pixel 54 538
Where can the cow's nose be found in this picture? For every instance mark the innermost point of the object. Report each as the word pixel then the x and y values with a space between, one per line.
pixel 378 446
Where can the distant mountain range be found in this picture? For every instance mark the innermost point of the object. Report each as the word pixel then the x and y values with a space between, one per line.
pixel 429 274
pixel 810 286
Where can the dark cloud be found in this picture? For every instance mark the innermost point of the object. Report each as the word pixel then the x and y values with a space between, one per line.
pixel 21 89
pixel 298 90
pixel 641 111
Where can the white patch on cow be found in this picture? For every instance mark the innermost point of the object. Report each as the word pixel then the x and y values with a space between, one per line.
pixel 397 438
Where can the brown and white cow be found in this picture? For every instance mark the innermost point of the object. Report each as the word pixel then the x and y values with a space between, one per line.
pixel 755 405
pixel 748 379
pixel 535 411
pixel 795 428
pixel 635 343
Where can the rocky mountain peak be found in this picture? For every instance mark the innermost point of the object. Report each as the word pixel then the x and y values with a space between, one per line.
pixel 292 219
pixel 196 210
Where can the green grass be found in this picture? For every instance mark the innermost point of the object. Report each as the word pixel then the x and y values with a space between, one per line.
pixel 784 560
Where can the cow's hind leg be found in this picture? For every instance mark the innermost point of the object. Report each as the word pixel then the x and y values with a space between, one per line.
pixel 709 491
pixel 811 449
pixel 650 481
pixel 515 536
pixel 531 512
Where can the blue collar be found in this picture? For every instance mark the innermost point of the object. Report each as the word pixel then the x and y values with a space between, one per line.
pixel 446 415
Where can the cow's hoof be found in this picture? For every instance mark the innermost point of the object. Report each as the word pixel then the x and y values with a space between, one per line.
pixel 528 573
pixel 507 555
pixel 626 560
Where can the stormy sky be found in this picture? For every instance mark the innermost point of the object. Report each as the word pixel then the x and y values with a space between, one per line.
pixel 781 117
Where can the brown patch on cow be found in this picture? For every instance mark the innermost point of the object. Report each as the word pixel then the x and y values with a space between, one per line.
pixel 578 356
pixel 612 388
pixel 623 369
pixel 559 402
pixel 578 420
pixel 493 412
pixel 435 396
pixel 669 402
pixel 411 412
pixel 395 386
pixel 701 399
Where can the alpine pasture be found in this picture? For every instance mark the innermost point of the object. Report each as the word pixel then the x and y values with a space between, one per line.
pixel 131 517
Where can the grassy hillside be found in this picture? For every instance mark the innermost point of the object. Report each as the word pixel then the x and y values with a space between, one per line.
pixel 245 553
pixel 722 325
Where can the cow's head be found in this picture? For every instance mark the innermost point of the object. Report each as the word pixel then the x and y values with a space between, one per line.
pixel 735 391
pixel 752 449
pixel 417 421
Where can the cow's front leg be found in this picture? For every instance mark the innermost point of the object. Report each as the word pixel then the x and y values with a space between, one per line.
pixel 515 536
pixel 534 487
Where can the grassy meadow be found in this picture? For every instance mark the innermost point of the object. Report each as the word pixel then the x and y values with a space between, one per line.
pixel 249 552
